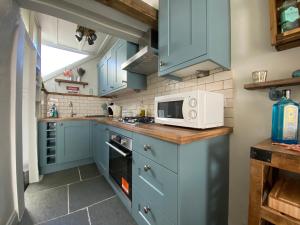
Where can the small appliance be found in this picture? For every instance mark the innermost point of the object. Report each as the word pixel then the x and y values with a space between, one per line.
pixel 195 109
pixel 114 110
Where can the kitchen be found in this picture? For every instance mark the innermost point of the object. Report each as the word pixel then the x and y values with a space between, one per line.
pixel 165 148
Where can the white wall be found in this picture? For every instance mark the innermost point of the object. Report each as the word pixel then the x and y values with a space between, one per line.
pixel 8 19
pixel 251 50
pixel 90 77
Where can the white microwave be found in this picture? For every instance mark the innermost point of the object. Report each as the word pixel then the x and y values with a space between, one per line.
pixel 196 109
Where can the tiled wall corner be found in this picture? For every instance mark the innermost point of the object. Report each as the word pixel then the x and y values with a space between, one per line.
pixel 220 82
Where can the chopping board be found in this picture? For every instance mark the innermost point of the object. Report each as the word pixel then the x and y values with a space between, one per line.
pixel 285 197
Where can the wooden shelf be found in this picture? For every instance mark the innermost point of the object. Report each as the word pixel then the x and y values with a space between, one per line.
pixel 71 82
pixel 273 83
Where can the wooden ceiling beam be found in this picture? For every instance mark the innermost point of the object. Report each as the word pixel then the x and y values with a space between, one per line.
pixel 136 9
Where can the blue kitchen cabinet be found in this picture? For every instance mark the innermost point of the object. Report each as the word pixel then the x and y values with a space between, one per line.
pixel 100 149
pixel 74 142
pixel 193 192
pixel 63 145
pixel 193 33
pixel 111 77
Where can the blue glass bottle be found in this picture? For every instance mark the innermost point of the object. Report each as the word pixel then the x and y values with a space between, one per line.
pixel 285 120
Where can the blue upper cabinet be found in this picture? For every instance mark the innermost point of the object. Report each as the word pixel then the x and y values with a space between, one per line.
pixel 193 35
pixel 111 77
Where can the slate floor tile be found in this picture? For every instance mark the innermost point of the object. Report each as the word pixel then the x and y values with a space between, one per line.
pixel 89 171
pixel 55 180
pixel 76 218
pixel 110 212
pixel 45 205
pixel 88 192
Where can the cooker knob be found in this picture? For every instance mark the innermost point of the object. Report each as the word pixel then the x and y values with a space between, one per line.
pixel 193 114
pixel 193 102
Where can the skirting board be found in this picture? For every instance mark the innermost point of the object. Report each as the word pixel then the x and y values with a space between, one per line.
pixel 13 219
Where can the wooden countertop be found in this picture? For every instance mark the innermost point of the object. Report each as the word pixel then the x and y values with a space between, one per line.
pixel 177 135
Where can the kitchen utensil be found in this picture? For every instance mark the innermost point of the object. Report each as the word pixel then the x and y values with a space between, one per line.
pixel 259 76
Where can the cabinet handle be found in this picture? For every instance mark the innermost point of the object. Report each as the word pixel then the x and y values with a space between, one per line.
pixel 147 147
pixel 161 63
pixel 147 167
pixel 61 124
pixel 124 81
pixel 111 86
pixel 147 209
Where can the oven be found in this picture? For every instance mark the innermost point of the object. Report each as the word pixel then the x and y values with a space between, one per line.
pixel 120 162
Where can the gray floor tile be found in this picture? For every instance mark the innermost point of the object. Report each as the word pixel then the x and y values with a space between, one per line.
pixel 55 180
pixel 45 205
pixel 89 171
pixel 110 212
pixel 88 192
pixel 76 218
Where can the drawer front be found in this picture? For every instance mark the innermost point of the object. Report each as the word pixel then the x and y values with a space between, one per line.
pixel 157 185
pixel 146 213
pixel 162 152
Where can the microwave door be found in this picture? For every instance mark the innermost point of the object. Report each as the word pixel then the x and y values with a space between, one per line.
pixel 170 109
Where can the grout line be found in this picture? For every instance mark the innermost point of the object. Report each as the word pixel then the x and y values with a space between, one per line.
pixel 88 214
pixel 68 195
pixel 69 213
pixel 76 182
pixel 79 173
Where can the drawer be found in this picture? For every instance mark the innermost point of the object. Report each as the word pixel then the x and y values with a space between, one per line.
pixel 162 152
pixel 157 185
pixel 146 212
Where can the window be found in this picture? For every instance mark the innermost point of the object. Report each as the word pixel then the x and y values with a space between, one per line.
pixel 54 59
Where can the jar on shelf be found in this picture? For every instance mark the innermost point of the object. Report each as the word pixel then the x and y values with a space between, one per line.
pixel 289 15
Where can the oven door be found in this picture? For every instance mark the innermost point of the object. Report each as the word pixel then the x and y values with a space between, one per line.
pixel 120 167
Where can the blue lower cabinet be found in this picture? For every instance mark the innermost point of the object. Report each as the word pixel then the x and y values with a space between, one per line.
pixel 100 149
pixel 64 144
pixel 154 192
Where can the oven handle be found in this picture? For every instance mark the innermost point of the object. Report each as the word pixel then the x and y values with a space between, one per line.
pixel 117 150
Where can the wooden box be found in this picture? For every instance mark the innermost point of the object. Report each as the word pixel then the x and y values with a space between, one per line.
pixel 285 197
pixel 286 40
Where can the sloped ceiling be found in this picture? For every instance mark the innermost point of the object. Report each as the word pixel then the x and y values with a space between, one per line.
pixel 61 33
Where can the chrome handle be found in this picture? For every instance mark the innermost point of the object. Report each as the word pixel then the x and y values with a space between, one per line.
pixel 61 124
pixel 147 209
pixel 111 86
pixel 147 147
pixel 147 167
pixel 124 81
pixel 161 63
pixel 117 150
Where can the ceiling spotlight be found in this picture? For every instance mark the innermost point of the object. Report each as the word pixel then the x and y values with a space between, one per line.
pixel 94 36
pixel 90 34
pixel 90 40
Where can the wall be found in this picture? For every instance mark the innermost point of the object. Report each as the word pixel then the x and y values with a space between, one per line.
pixel 8 18
pixel 82 106
pixel 156 86
pixel 89 77
pixel 251 50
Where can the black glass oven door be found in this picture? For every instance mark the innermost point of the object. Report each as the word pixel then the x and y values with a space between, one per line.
pixel 120 167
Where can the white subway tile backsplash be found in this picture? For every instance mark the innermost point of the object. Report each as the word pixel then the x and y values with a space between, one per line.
pixel 157 86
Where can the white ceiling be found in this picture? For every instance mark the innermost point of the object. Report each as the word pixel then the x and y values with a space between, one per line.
pixel 153 3
pixel 61 33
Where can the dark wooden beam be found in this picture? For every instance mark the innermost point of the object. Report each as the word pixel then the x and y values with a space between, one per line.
pixel 136 9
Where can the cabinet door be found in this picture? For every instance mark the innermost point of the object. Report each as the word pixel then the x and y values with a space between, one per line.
pixel 182 31
pixel 74 140
pixel 102 78
pixel 100 148
pixel 121 57
pixel 111 70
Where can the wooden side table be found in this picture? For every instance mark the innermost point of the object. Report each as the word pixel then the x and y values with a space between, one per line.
pixel 266 162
